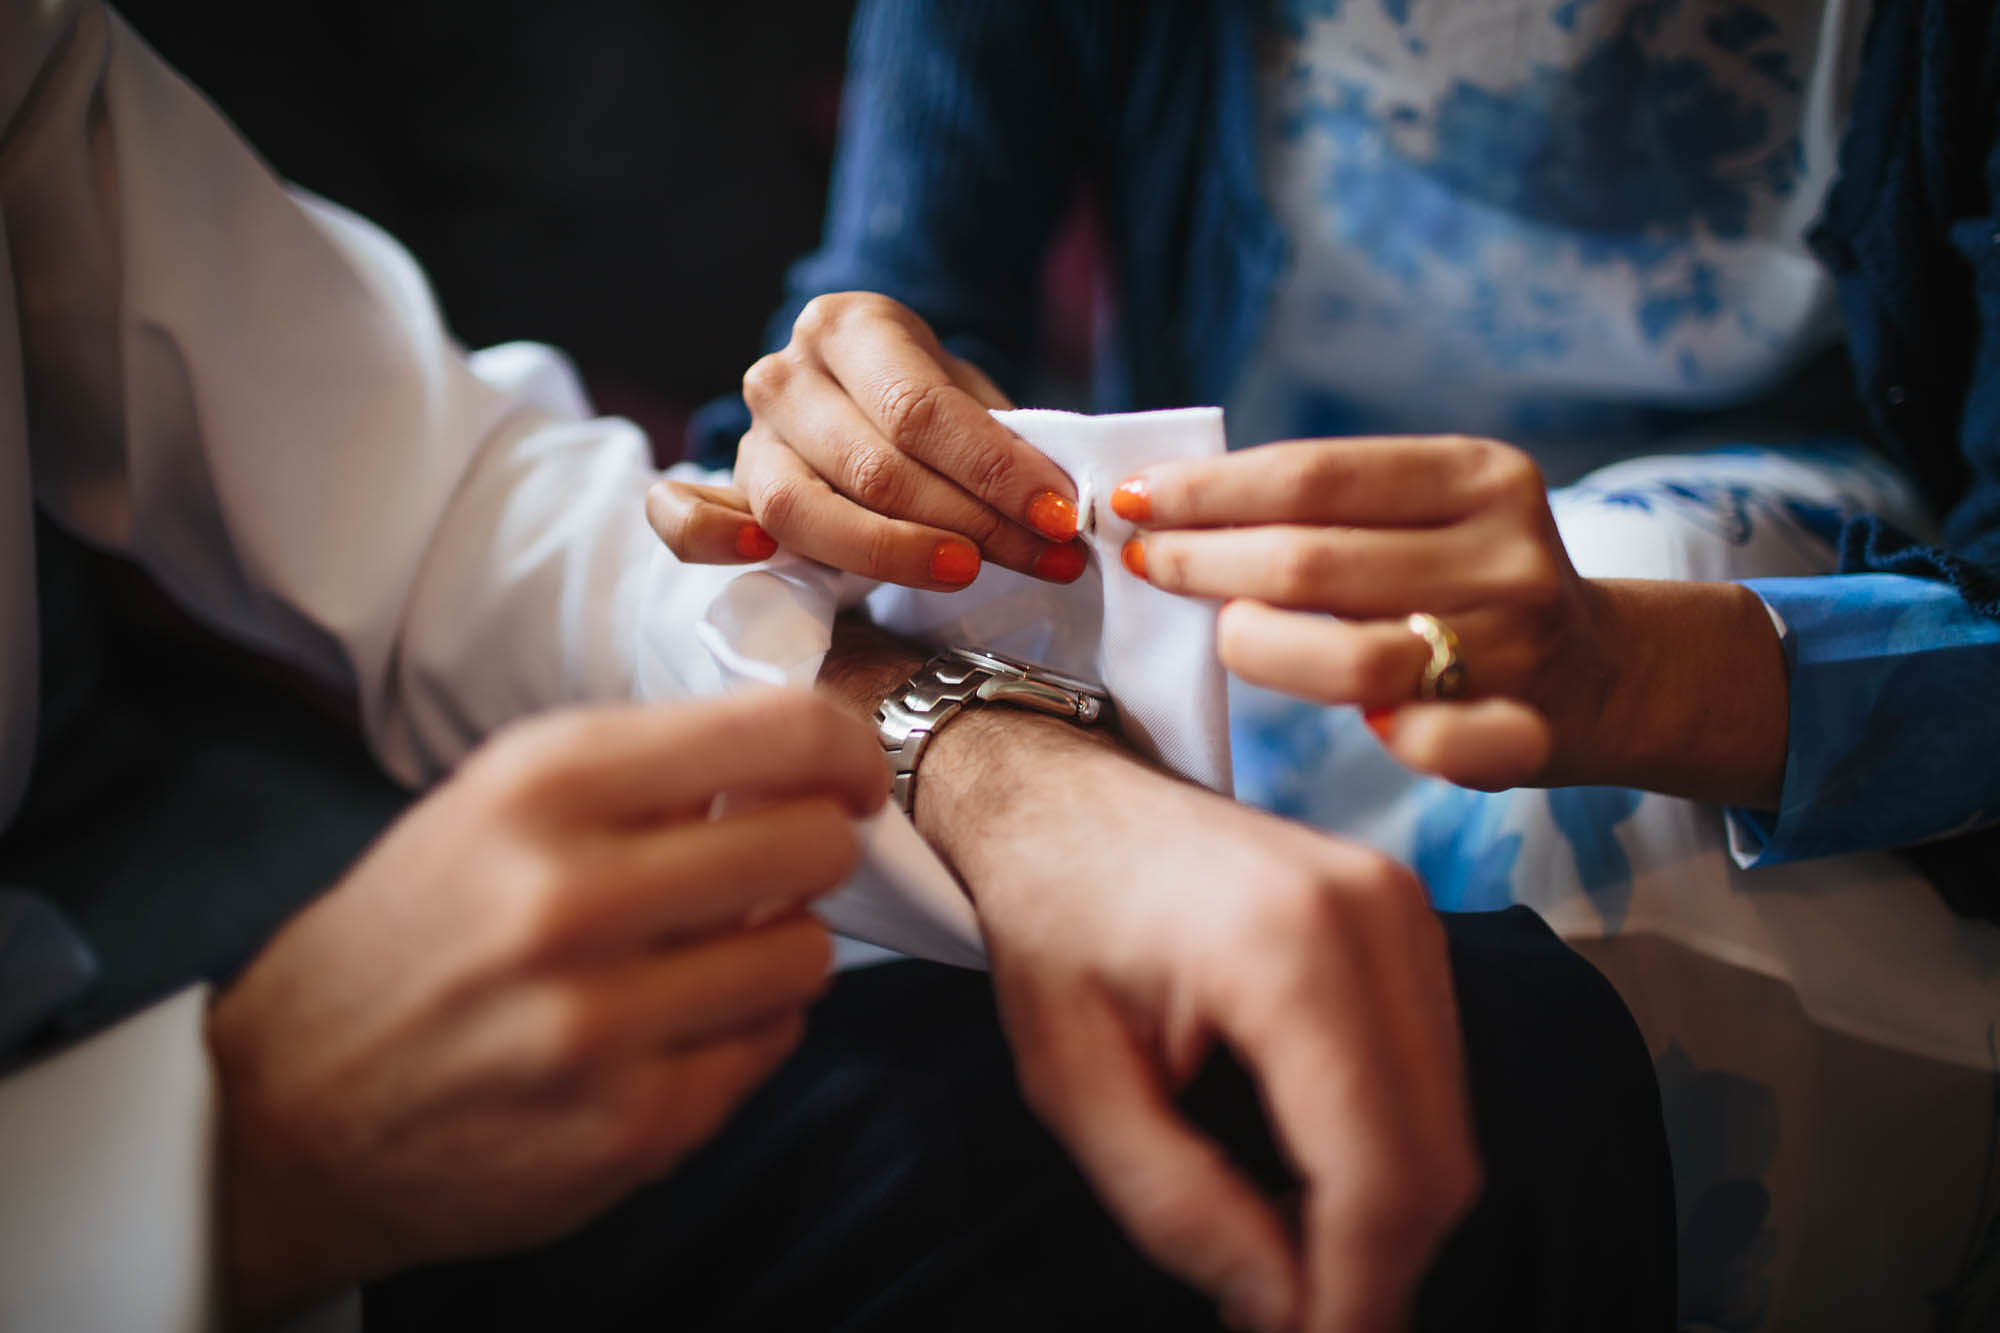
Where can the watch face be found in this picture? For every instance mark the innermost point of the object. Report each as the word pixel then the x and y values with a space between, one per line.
pixel 1001 662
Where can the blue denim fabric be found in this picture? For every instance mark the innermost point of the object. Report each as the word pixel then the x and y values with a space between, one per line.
pixel 970 127
pixel 1919 758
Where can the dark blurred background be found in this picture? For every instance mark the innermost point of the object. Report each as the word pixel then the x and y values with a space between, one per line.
pixel 626 180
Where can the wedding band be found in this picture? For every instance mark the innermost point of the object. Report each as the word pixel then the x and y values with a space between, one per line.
pixel 1444 674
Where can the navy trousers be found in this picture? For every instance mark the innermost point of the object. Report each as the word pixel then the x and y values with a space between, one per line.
pixel 889 1177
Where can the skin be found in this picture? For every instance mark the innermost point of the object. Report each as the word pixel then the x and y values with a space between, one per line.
pixel 1118 931
pixel 872 448
pixel 546 984
pixel 1321 548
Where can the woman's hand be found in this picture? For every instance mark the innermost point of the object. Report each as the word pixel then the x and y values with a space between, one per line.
pixel 1326 548
pixel 871 449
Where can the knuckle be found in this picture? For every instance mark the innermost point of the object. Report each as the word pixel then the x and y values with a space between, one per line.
pixel 819 315
pixel 530 914
pixel 766 379
pixel 877 479
pixel 1392 885
pixel 992 472
pixel 1319 473
pixel 1303 568
pixel 1531 576
pixel 525 761
pixel 557 1034
pixel 911 411
pixel 779 503
pixel 1508 474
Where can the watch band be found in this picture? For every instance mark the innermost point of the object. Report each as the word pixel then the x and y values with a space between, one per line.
pixel 958 678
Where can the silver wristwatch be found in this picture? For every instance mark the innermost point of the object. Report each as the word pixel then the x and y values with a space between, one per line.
pixel 961 677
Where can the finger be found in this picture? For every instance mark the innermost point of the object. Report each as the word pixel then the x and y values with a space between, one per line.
pixel 1349 571
pixel 1367 482
pixel 825 429
pixel 656 763
pixel 807 516
pixel 894 370
pixel 1369 663
pixel 1491 744
pixel 707 525
pixel 692 879
pixel 704 992
pixel 1174 1191
pixel 676 1101
pixel 1364 1086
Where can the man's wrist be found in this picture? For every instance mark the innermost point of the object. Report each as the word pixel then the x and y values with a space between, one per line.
pixel 983 770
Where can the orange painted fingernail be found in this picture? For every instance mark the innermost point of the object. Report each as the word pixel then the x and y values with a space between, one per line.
pixel 1132 501
pixel 1133 553
pixel 1381 721
pixel 954 562
pixel 753 543
pixel 1060 564
pixel 1052 516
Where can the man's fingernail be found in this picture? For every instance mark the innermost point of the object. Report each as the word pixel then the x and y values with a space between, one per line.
pixel 954 562
pixel 1133 553
pixel 753 543
pixel 1256 1304
pixel 1060 564
pixel 1052 516
pixel 1381 721
pixel 1132 501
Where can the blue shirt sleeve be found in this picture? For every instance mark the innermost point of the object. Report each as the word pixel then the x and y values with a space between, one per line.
pixel 1894 718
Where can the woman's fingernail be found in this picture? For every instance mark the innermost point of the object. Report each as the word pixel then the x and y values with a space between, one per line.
pixel 1132 501
pixel 1381 721
pixel 753 543
pixel 954 562
pixel 1133 553
pixel 1060 564
pixel 1052 516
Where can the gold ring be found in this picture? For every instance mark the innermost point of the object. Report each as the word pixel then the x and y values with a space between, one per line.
pixel 1444 674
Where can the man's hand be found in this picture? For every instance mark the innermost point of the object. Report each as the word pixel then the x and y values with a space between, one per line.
pixel 542 988
pixel 1130 935
pixel 1133 921
pixel 871 449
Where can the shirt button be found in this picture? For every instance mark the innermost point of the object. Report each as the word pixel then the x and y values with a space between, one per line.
pixel 1896 395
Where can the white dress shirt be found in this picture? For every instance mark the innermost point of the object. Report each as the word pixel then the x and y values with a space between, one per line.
pixel 249 393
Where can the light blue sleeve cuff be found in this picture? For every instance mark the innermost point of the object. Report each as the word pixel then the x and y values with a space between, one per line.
pixel 1894 718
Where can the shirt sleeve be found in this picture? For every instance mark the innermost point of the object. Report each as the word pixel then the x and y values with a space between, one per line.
pixel 106 1156
pixel 251 393
pixel 1892 729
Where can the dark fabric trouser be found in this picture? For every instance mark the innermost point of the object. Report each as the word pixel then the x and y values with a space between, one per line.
pixel 888 1177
